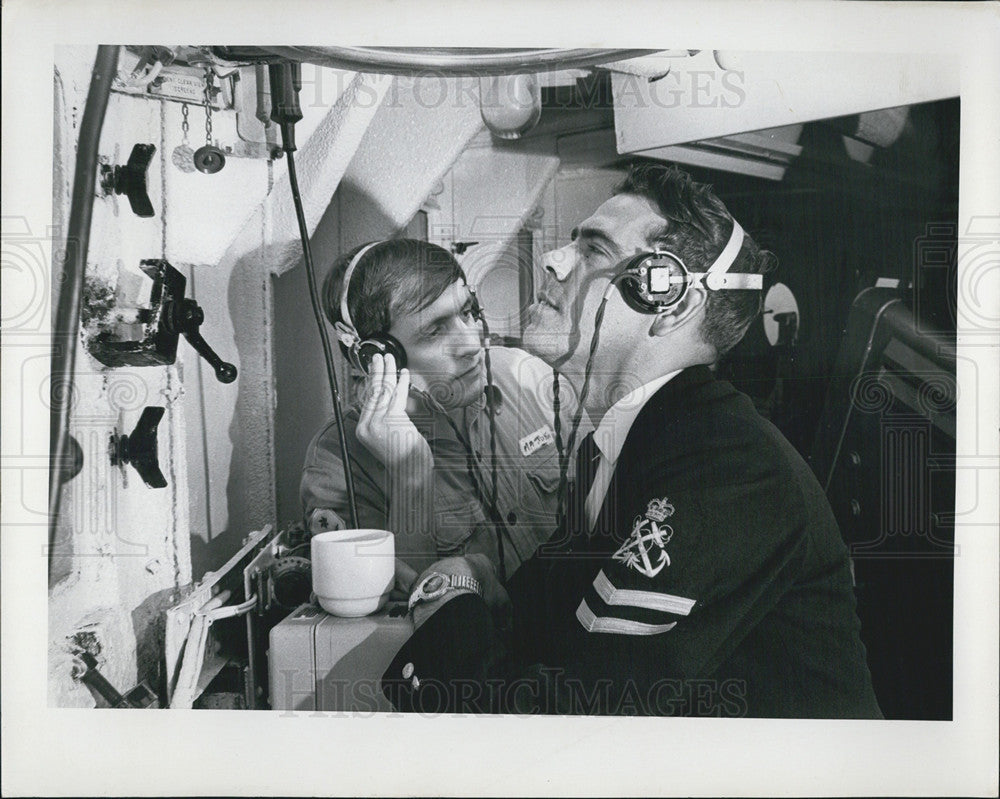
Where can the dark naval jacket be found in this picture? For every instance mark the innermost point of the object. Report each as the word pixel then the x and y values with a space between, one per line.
pixel 714 583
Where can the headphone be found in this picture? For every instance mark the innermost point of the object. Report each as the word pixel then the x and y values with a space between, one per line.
pixel 360 351
pixel 651 282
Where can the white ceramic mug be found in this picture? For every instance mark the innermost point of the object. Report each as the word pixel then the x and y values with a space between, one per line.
pixel 353 570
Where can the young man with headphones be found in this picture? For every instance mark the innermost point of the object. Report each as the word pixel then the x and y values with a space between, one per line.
pixel 451 443
pixel 699 569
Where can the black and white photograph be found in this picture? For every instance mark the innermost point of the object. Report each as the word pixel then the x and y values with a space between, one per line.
pixel 399 401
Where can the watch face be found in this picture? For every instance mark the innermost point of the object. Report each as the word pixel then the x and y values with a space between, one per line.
pixel 434 583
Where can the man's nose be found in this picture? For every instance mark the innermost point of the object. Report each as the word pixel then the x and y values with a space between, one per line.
pixel 560 262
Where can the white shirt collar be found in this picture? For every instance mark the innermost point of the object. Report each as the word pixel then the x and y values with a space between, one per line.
pixel 611 432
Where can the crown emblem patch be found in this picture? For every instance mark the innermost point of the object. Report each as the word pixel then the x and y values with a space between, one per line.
pixel 659 509
pixel 646 548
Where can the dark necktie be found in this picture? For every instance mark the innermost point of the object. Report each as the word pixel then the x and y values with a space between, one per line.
pixel 574 525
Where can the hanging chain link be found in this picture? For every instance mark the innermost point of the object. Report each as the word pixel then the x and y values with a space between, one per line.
pixel 208 106
pixel 185 125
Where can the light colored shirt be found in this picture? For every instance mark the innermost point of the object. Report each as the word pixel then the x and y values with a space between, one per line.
pixel 610 435
pixel 527 469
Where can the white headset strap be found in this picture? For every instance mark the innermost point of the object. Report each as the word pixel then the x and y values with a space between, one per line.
pixel 718 275
pixel 346 331
pixel 730 251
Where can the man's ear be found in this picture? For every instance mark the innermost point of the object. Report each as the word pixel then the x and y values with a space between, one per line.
pixel 689 310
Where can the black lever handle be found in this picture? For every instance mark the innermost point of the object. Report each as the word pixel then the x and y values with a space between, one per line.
pixel 167 316
pixel 788 326
pixel 140 448
pixel 130 179
pixel 99 682
pixel 139 697
pixel 186 316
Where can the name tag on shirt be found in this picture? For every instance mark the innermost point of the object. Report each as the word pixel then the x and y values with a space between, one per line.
pixel 535 441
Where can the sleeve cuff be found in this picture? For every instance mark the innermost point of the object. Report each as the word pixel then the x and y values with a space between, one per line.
pixel 444 663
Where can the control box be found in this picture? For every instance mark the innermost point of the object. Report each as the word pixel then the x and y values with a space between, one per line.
pixel 319 662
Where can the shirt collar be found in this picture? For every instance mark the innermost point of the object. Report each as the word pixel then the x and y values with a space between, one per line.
pixel 472 411
pixel 611 432
pixel 479 404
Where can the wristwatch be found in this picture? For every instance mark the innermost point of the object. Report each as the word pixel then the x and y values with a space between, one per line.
pixel 436 584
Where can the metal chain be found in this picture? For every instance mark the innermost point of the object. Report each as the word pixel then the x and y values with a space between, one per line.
pixel 208 107
pixel 185 125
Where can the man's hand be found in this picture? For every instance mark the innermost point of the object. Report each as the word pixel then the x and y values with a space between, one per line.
pixel 384 428
pixel 406 578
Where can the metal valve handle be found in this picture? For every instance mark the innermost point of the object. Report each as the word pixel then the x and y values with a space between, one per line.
pixel 130 179
pixel 185 316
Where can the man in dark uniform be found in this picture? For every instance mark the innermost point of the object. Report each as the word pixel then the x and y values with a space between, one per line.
pixel 699 570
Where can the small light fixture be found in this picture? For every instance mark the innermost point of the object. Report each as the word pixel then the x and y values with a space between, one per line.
pixel 510 104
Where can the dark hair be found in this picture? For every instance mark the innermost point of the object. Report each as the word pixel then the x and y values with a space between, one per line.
pixel 698 228
pixel 393 278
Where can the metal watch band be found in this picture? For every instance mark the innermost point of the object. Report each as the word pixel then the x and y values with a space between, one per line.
pixel 464 581
pixel 451 582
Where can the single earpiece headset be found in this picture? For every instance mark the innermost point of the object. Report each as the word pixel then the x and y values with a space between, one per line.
pixel 656 281
pixel 362 350
pixel 649 282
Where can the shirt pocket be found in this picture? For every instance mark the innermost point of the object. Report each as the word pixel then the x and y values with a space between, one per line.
pixel 455 519
pixel 544 474
pixel 539 485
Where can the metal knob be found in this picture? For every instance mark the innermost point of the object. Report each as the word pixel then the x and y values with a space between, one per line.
pixel 130 179
pixel 209 159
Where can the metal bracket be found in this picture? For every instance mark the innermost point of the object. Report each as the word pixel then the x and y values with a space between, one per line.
pixel 85 670
pixel 257 580
pixel 188 623
pixel 258 135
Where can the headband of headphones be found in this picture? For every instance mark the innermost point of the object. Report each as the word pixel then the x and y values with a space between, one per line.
pixel 347 333
pixel 717 275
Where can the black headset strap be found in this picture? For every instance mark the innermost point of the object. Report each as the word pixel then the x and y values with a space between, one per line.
pixel 476 478
pixel 489 503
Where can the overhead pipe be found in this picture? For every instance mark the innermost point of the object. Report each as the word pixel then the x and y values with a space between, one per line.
pixel 421 61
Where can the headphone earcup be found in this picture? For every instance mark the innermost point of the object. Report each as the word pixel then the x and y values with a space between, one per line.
pixel 633 291
pixel 634 300
pixel 379 345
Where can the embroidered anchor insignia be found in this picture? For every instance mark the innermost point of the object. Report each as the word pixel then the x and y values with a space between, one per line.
pixel 645 551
